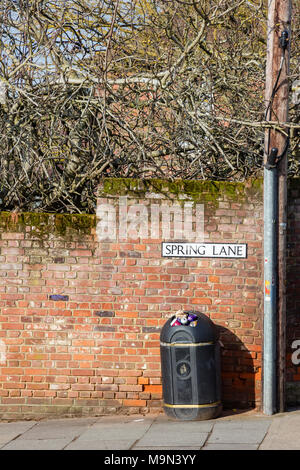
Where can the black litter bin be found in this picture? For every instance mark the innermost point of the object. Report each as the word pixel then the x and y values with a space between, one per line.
pixel 191 371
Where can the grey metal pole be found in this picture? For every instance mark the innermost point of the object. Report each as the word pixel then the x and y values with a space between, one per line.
pixel 270 280
pixel 276 99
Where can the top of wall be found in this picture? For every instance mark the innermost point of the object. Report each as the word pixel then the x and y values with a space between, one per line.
pixel 65 225
pixel 41 224
pixel 196 190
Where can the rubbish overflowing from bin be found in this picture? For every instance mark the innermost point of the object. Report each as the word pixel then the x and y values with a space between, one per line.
pixel 191 366
pixel 184 318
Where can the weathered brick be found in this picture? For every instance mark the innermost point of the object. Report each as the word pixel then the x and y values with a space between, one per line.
pixel 134 403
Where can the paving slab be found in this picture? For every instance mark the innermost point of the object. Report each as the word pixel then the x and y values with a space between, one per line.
pixel 169 433
pixel 163 424
pixel 37 444
pixel 58 429
pixel 112 433
pixel 116 431
pixel 9 431
pixel 100 444
pixel 249 423
pixel 230 447
pixel 162 448
pixel 250 431
pixel 284 433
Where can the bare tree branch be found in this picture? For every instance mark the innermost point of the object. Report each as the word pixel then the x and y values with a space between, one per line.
pixel 131 88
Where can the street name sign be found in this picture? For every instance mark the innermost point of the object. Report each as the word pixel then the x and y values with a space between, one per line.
pixel 204 250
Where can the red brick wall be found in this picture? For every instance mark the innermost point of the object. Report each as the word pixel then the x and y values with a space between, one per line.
pixel 97 350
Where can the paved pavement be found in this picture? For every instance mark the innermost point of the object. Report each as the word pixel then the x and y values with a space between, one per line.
pixel 234 431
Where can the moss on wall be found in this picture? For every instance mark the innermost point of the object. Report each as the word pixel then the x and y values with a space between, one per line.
pixel 196 190
pixel 66 225
pixel 41 224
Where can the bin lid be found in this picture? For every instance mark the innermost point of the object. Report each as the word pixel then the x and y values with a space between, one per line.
pixel 204 331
